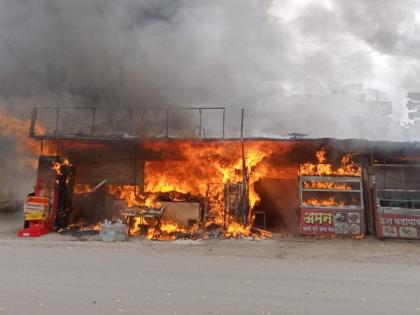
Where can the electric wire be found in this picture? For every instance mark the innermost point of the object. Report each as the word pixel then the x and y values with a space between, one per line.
pixel 30 72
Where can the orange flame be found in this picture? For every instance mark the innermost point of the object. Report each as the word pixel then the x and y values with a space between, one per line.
pixel 58 166
pixel 325 185
pixel 131 196
pixel 235 230
pixel 324 203
pixel 19 129
pixel 180 170
pixel 84 227
pixel 82 189
pixel 322 168
pixel 201 165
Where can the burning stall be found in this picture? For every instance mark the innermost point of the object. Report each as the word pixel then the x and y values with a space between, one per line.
pixel 163 189
pixel 331 198
pixel 166 187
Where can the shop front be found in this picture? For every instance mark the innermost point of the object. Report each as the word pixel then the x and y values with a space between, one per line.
pixel 397 190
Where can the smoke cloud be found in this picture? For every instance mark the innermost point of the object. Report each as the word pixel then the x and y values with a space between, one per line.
pixel 218 53
pixel 285 61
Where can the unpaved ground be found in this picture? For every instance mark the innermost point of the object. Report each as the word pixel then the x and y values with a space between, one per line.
pixel 367 250
pixel 58 274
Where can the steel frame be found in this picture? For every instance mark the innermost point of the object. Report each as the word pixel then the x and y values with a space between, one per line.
pixel 129 110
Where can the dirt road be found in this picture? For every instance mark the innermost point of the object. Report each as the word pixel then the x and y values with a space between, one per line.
pixel 62 275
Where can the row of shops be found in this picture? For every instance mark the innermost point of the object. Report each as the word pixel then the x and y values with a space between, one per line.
pixel 387 203
pixel 318 187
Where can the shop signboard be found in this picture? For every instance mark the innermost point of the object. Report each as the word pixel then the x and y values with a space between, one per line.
pixel 326 222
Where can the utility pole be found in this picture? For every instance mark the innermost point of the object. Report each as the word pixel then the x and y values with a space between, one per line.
pixel 245 209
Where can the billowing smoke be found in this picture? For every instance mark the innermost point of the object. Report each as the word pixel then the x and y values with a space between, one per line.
pixel 217 53
pixel 140 53
pixel 285 61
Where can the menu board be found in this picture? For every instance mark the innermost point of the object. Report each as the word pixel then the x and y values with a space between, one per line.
pixel 331 222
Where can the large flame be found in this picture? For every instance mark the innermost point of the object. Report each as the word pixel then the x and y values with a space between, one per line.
pixel 208 166
pixel 130 194
pixel 346 168
pixel 59 166
pixel 325 185
pixel 185 170
pixel 330 202
pixel 323 168
pixel 27 148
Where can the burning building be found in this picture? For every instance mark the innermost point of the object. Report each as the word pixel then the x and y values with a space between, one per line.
pixel 168 187
pixel 331 198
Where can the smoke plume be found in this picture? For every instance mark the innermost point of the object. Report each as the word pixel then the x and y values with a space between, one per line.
pixel 219 53
pixel 284 61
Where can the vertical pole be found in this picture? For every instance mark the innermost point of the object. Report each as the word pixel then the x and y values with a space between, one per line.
pixel 224 217
pixel 141 172
pixel 92 131
pixel 33 122
pixel 242 123
pixel 223 123
pixel 244 172
pixel 167 124
pixel 135 169
pixel 206 205
pixel 199 126
pixel 57 120
pixel 57 149
pixel 373 215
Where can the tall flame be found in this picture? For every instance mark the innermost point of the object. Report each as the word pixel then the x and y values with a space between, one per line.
pixel 203 169
pixel 323 168
pixel 323 202
pixel 325 185
pixel 27 148
pixel 200 169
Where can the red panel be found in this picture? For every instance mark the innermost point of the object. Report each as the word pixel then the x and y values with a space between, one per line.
pixel 394 225
pixel 46 190
pixel 35 229
pixel 329 222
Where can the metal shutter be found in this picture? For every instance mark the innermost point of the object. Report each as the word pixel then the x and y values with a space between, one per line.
pixel 115 172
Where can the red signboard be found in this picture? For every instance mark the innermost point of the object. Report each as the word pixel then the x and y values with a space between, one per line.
pixel 331 222
pixel 395 225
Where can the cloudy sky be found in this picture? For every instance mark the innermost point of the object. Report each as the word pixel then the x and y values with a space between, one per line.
pixel 249 53
pixel 206 53
pixel 378 39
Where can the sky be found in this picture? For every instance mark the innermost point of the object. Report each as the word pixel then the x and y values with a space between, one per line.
pixel 215 53
pixel 385 34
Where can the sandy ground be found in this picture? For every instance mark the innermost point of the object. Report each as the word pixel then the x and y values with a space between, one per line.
pixel 58 274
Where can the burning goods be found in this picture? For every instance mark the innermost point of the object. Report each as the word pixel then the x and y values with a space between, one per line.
pixel 201 185
pixel 80 229
pixel 236 201
pixel 141 218
pixel 331 197
pixel 323 168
